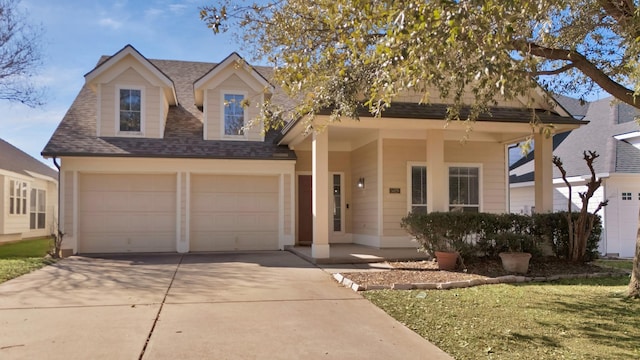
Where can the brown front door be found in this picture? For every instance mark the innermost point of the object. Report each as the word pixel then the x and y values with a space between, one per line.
pixel 305 217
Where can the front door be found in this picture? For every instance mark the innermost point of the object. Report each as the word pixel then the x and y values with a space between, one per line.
pixel 305 215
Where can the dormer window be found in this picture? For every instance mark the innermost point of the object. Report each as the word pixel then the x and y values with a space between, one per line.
pixel 130 110
pixel 233 115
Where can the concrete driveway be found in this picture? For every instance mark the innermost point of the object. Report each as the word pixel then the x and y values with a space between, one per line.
pixel 266 305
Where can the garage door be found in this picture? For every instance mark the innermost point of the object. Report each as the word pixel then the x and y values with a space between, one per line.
pixel 234 213
pixel 627 203
pixel 127 213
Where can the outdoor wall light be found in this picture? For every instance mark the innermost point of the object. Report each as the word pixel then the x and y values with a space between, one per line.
pixel 361 183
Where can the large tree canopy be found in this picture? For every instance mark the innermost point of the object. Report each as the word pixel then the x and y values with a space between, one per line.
pixel 470 52
pixel 19 55
pixel 335 52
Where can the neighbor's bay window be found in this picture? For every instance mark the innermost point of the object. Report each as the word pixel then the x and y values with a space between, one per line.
pixel 130 110
pixel 17 197
pixel 464 189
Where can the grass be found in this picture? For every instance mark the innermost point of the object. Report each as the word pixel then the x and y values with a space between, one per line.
pixel 22 257
pixel 616 264
pixel 568 319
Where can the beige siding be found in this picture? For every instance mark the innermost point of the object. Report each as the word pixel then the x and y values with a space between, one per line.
pixel 287 204
pixel 214 106
pixel 67 203
pixel 184 195
pixel 4 201
pixel 365 201
pixel 492 158
pixel 152 100
pixel 396 155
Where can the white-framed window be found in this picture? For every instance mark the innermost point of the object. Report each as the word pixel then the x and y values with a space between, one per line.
pixel 17 197
pixel 626 196
pixel 464 188
pixel 338 202
pixel 417 185
pixel 37 209
pixel 233 114
pixel 130 110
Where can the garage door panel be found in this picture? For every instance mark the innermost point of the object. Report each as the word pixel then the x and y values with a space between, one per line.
pixel 127 213
pixel 234 212
pixel 230 241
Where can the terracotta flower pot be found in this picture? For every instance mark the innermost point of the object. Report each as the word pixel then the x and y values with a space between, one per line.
pixel 447 260
pixel 516 262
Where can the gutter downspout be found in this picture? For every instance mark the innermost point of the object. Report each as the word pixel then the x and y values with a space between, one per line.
pixel 55 163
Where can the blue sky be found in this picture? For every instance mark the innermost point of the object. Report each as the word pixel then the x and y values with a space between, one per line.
pixel 78 32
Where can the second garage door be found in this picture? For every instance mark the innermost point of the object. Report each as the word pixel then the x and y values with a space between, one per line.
pixel 234 213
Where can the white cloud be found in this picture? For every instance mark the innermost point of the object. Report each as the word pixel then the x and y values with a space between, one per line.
pixel 153 12
pixel 177 8
pixel 109 22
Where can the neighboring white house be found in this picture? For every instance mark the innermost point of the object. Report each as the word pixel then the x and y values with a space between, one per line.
pixel 29 194
pixel 155 158
pixel 611 132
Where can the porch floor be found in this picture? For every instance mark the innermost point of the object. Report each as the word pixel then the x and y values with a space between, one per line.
pixel 358 254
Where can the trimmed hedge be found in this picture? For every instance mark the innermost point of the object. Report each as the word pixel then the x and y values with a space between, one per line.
pixel 486 234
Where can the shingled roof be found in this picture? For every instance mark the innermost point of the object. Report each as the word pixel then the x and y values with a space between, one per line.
pixel 183 137
pixel 17 161
pixel 606 119
pixel 405 110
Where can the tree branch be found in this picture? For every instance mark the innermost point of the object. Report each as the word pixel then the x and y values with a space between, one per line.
pixel 583 64
pixel 554 71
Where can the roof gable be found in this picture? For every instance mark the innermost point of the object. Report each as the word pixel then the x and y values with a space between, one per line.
pixel 217 75
pixel 128 57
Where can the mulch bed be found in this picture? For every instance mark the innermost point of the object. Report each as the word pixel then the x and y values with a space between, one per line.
pixel 428 272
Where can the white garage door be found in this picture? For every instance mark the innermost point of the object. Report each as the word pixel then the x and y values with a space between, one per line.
pixel 628 203
pixel 127 213
pixel 234 213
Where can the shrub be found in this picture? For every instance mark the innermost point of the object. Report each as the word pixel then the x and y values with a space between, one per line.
pixel 486 234
pixel 555 227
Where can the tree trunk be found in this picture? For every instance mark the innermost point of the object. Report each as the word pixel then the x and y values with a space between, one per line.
pixel 634 284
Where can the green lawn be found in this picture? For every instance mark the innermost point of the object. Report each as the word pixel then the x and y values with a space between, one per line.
pixel 569 319
pixel 23 257
pixel 616 264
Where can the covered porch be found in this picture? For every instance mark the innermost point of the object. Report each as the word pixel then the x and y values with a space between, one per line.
pixel 364 176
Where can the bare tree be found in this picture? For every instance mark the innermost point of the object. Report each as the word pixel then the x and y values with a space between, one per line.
pixel 580 229
pixel 20 55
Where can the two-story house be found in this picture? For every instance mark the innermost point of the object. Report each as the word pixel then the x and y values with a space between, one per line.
pixel 155 157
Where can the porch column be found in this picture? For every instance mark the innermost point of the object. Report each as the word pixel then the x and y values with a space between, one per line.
pixel 320 193
pixel 543 173
pixel 437 188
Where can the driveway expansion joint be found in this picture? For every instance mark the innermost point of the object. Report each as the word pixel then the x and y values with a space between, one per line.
pixel 164 299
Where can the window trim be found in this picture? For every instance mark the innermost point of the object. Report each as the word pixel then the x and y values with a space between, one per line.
pixel 223 135
pixel 410 165
pixel 117 110
pixel 343 201
pixel 480 182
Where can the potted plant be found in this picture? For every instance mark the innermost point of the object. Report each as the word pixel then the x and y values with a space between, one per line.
pixel 514 259
pixel 441 235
